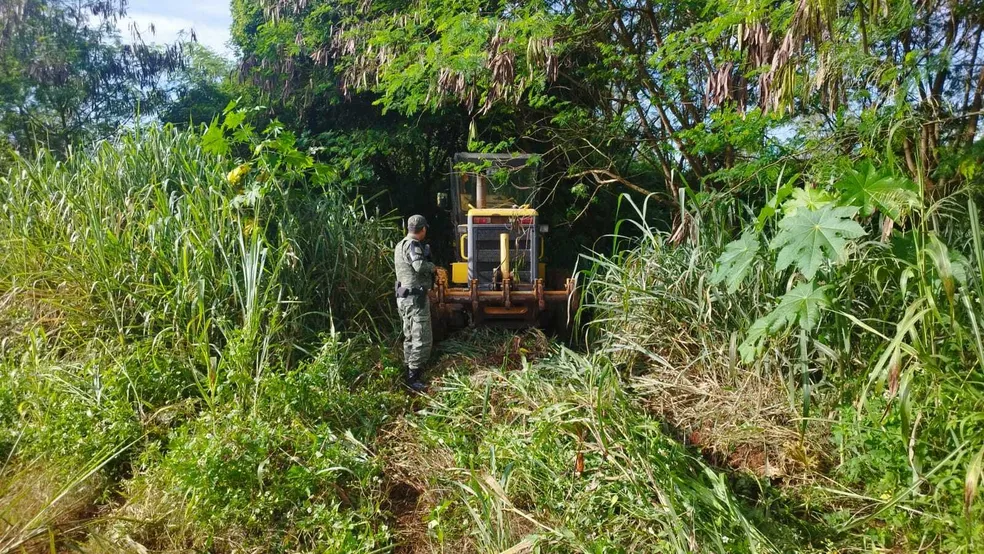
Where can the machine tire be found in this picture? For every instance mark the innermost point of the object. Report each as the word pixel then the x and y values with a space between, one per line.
pixel 439 327
pixel 554 324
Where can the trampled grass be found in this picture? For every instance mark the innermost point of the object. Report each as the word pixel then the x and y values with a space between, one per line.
pixel 555 455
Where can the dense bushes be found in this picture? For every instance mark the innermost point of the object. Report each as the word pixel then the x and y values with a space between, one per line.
pixel 164 321
pixel 279 476
pixel 860 362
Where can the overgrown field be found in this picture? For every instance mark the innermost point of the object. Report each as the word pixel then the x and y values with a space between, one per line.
pixel 198 355
pixel 852 384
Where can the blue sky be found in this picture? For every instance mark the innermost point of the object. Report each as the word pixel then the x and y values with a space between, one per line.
pixel 209 18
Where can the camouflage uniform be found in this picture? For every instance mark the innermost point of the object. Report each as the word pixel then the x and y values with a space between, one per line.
pixel 416 273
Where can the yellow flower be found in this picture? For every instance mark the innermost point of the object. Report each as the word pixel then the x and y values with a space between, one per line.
pixel 236 175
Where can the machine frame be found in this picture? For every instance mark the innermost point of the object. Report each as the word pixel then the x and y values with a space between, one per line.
pixel 513 293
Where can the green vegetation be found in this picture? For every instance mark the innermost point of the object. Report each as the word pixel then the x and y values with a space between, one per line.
pixel 853 398
pixel 145 315
pixel 67 78
pixel 774 209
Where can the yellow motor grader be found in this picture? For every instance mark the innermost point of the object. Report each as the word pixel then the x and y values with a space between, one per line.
pixel 498 276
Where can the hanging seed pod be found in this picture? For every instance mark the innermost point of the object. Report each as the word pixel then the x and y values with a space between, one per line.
pixel 757 42
pixel 726 85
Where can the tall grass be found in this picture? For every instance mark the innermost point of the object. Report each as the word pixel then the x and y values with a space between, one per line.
pixel 146 238
pixel 654 312
pixel 152 306
pixel 883 396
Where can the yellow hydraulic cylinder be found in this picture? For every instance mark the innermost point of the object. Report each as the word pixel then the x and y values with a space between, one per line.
pixel 504 251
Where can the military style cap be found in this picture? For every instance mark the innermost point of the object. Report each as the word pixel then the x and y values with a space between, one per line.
pixel 416 223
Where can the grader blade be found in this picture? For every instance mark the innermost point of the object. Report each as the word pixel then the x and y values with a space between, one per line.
pixel 511 306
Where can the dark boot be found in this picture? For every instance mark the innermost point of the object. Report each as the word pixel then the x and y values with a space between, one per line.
pixel 413 380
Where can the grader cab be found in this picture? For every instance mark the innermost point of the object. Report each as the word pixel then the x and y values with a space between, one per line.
pixel 499 277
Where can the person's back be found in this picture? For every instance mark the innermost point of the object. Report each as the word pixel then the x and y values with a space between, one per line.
pixel 414 277
pixel 407 250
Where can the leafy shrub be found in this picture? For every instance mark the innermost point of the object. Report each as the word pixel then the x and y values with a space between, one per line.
pixel 70 416
pixel 304 485
pixel 100 403
pixel 920 489
pixel 348 385
pixel 150 378
pixel 291 470
pixel 884 333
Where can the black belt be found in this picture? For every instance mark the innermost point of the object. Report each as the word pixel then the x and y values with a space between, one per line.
pixel 403 292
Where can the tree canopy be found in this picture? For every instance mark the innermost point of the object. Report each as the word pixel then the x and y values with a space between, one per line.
pixel 67 77
pixel 649 95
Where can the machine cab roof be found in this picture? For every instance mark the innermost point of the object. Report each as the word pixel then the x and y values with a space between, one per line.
pixel 510 182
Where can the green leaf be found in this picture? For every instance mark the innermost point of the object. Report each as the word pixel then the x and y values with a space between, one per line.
pixel 233 119
pixel 772 206
pixel 736 260
pixel 807 199
pixel 811 237
pixel 800 305
pixel 244 133
pixel 951 266
pixel 214 142
pixel 871 191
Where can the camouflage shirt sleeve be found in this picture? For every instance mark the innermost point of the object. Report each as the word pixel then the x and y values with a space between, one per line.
pixel 415 253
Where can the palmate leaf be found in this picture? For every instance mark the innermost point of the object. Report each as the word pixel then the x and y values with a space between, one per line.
pixel 800 305
pixel 214 141
pixel 736 260
pixel 807 199
pixel 870 190
pixel 808 238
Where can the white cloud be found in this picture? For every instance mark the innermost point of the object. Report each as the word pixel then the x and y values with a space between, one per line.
pixel 163 29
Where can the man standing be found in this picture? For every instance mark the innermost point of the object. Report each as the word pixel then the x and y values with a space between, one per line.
pixel 414 277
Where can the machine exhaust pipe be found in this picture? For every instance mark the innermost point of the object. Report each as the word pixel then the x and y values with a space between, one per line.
pixel 480 192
